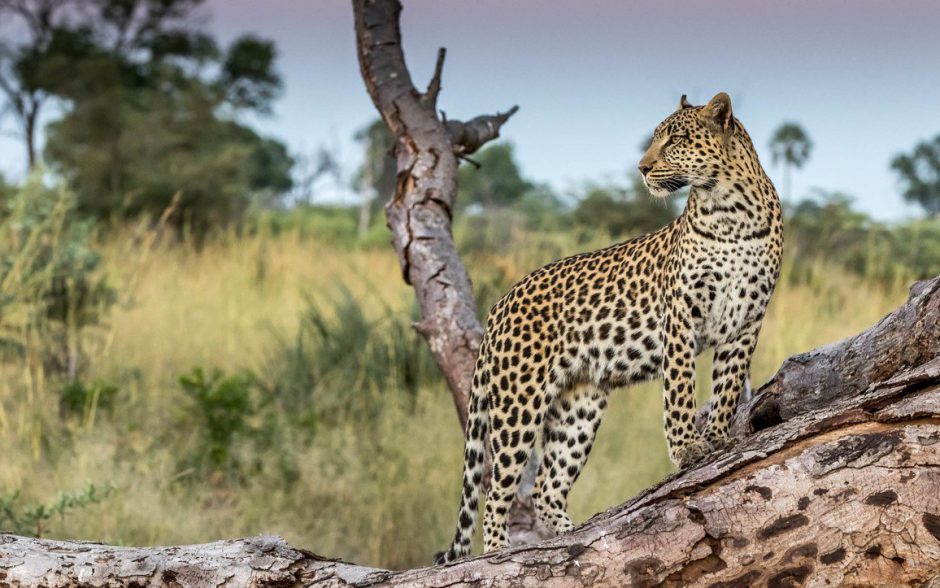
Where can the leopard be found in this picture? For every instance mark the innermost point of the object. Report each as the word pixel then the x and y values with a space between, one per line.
pixel 566 335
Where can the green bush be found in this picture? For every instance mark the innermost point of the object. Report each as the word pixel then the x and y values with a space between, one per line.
pixel 78 399
pixel 50 283
pixel 342 364
pixel 828 227
pixel 31 521
pixel 621 211
pixel 221 406
pixel 333 224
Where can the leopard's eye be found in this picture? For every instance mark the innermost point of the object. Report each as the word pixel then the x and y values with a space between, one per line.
pixel 675 139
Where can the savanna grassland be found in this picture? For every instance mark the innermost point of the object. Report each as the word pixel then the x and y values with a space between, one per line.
pixel 269 382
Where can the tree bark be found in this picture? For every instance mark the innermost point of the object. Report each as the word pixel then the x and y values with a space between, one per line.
pixel 844 493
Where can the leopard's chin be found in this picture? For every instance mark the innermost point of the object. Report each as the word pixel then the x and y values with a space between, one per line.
pixel 657 192
pixel 663 188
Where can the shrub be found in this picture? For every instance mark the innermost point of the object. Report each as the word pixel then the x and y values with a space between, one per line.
pixel 221 406
pixel 31 520
pixel 78 399
pixel 344 365
pixel 49 279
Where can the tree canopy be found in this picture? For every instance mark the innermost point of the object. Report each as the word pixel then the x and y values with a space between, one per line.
pixel 495 181
pixel 919 172
pixel 622 210
pixel 150 107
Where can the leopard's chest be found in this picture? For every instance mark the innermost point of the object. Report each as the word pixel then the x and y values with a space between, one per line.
pixel 729 286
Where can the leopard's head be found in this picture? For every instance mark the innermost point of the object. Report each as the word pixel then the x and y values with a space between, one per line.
pixel 689 147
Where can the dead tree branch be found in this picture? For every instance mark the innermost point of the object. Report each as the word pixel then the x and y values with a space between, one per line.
pixel 421 210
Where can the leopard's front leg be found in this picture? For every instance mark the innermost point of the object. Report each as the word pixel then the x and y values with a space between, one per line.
pixel 686 445
pixel 729 374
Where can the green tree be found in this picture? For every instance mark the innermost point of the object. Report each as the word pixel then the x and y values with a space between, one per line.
pixel 919 172
pixel 145 122
pixel 497 182
pixel 622 210
pixel 827 225
pixel 791 146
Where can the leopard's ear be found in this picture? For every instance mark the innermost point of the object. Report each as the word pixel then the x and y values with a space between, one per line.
pixel 718 112
pixel 683 104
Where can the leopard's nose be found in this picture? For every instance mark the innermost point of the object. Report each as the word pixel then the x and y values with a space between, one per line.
pixel 644 169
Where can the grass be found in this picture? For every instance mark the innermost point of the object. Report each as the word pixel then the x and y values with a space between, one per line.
pixel 379 489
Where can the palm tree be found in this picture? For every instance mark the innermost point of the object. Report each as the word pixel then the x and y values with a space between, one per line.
pixel 791 146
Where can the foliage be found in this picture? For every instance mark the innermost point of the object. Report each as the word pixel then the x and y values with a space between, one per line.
pixel 81 400
pixel 142 120
pixel 621 211
pixel 827 227
pixel 50 285
pixel 336 224
pixel 221 406
pixel 31 521
pixel 342 360
pixel 28 67
pixel 919 173
pixel 248 77
pixel 497 182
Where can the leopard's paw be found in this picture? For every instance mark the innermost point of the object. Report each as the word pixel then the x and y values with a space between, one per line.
pixel 690 453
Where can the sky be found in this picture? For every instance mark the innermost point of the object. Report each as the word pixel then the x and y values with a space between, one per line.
pixel 593 77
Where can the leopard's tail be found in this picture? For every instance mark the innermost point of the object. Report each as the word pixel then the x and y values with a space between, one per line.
pixel 473 456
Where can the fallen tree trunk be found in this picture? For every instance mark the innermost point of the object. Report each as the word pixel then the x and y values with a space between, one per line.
pixel 846 493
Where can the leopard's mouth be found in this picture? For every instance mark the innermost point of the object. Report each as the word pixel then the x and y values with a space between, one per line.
pixel 665 187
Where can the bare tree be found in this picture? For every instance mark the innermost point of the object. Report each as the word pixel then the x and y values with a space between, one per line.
pixel 309 169
pixel 420 212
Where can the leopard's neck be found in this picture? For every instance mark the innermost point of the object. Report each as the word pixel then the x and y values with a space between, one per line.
pixel 740 204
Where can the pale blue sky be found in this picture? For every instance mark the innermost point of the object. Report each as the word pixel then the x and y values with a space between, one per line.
pixel 593 77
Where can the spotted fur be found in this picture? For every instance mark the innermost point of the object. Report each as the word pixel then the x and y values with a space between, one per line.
pixel 568 333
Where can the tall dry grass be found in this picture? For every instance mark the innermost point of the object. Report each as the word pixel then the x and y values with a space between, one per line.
pixel 380 491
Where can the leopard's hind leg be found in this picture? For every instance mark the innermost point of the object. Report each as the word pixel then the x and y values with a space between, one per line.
pixel 513 427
